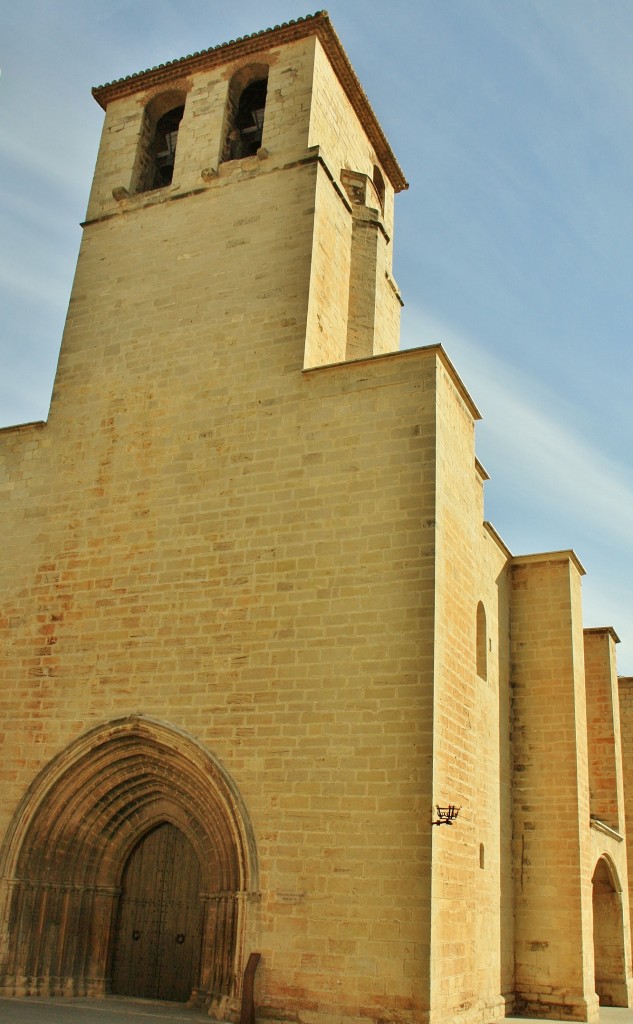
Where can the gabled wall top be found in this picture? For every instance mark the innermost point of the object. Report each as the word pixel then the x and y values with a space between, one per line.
pixel 318 25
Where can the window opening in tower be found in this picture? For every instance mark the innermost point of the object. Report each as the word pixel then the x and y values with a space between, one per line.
pixel 165 141
pixel 249 122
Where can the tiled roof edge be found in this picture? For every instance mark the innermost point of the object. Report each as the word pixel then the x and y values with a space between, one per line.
pixel 318 24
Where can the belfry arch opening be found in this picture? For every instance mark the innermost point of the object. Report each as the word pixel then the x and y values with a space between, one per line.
pixel 245 112
pixel 129 808
pixel 608 936
pixel 158 141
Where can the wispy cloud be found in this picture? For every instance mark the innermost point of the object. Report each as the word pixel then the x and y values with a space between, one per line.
pixel 543 454
pixel 40 289
pixel 553 486
pixel 46 163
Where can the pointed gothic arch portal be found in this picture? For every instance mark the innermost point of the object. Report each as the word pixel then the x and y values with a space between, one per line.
pixel 608 936
pixel 131 809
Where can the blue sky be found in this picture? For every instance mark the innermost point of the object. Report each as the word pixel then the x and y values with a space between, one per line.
pixel 513 247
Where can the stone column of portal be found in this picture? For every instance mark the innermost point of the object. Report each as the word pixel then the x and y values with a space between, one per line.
pixel 554 971
pixel 98 968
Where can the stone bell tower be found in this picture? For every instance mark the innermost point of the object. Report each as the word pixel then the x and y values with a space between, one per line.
pixel 242 197
pixel 188 587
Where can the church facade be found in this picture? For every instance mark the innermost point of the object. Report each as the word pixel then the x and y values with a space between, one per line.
pixel 270 682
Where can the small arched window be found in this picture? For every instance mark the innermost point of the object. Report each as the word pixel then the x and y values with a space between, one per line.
pixel 157 146
pixel 379 185
pixel 246 107
pixel 482 642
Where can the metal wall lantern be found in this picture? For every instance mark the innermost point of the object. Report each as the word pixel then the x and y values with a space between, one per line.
pixel 446 815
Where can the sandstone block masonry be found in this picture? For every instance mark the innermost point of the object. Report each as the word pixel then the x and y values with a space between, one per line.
pixel 254 625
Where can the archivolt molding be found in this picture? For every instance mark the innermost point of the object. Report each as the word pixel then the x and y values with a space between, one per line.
pixel 112 778
pixel 73 833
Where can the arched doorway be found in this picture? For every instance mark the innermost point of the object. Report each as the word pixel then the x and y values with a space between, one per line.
pixel 608 936
pixel 156 945
pixel 109 803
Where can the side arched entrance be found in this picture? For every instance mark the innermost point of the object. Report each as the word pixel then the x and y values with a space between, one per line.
pixel 608 936
pixel 132 851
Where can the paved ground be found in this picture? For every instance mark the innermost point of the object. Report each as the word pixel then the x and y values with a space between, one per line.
pixel 113 1010
pixel 615 1015
pixel 116 1010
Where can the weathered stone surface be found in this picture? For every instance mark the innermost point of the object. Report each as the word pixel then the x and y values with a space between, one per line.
pixel 247 590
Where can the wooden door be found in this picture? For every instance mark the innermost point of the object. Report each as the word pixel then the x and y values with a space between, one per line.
pixel 157 939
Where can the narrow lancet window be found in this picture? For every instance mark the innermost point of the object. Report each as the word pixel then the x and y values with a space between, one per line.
pixel 379 185
pixel 482 642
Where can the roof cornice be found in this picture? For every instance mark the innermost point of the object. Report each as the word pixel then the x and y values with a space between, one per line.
pixel 568 555
pixel 603 631
pixel 318 25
